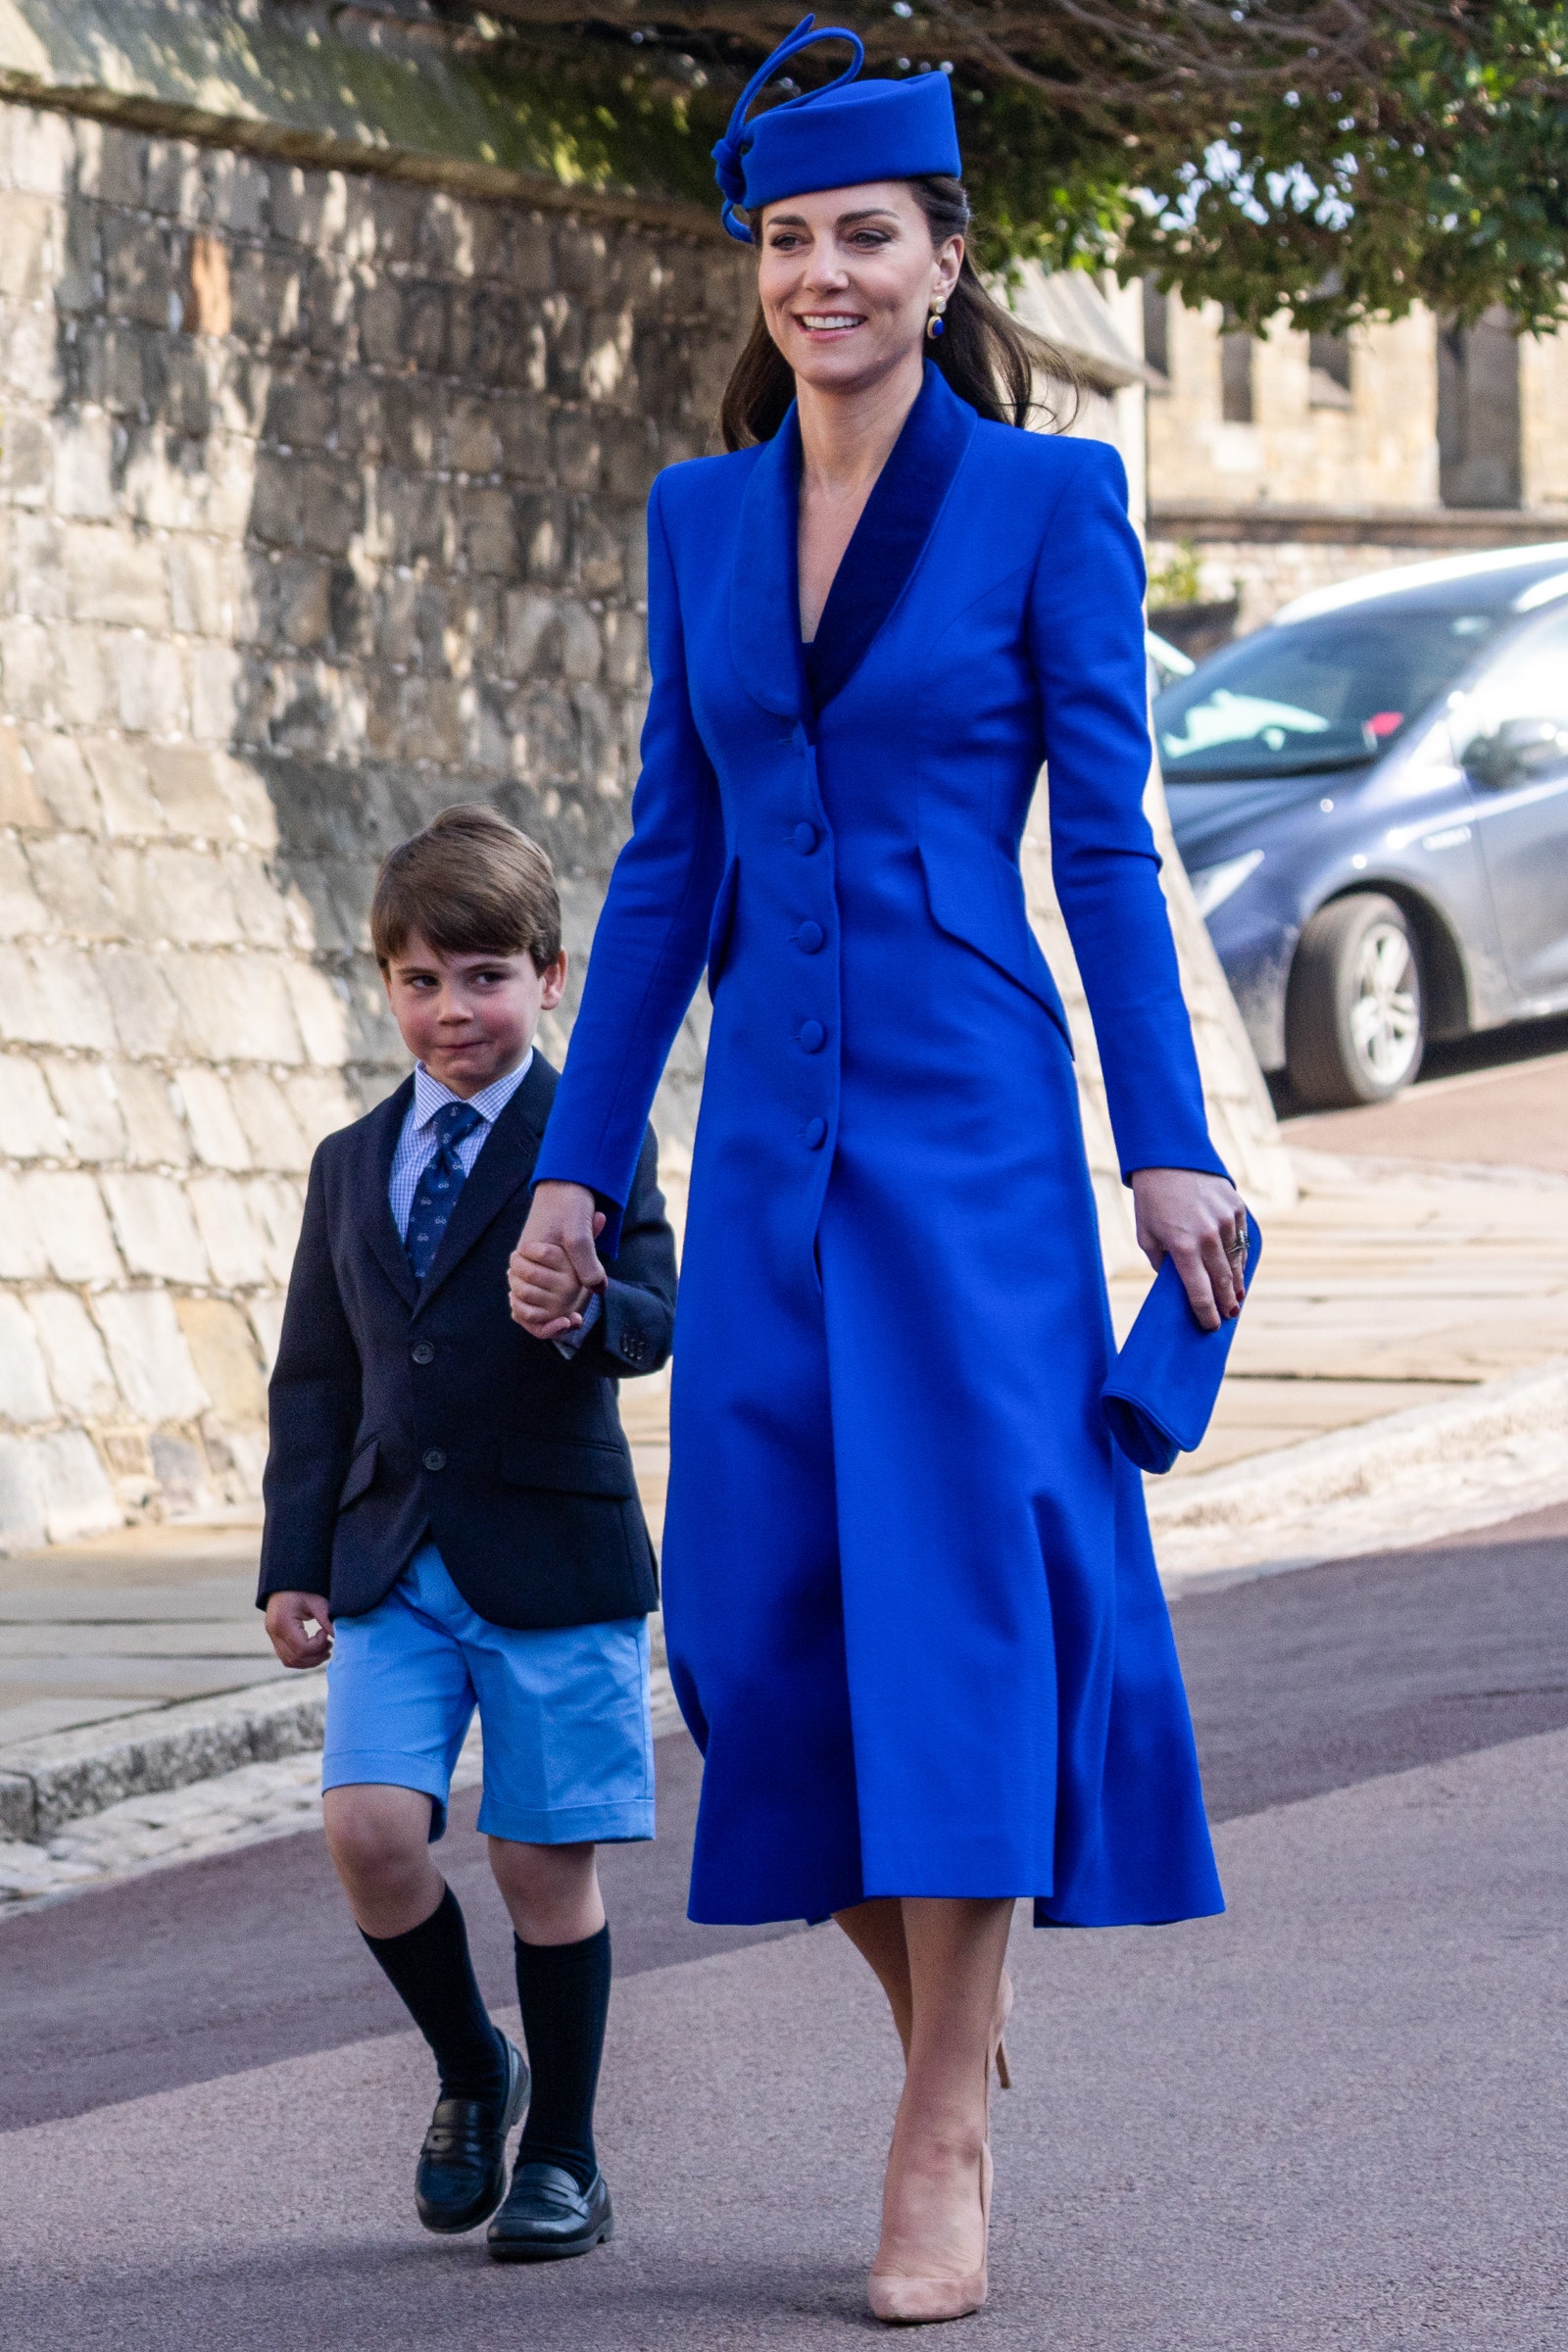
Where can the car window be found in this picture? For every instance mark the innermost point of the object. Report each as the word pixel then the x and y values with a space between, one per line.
pixel 1312 695
pixel 1529 680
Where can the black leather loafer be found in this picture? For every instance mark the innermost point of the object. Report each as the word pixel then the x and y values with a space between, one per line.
pixel 462 2175
pixel 547 2217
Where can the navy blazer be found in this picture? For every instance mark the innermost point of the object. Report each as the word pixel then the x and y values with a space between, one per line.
pixel 404 1410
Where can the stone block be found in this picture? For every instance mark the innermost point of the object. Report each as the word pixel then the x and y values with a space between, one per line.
pixel 30 663
pixel 21 1520
pixel 22 1251
pixel 487 523
pixel 84 1093
pixel 62 779
pixel 238 187
pixel 155 1135
pixel 146 1012
pixel 151 1360
pixel 27 460
pixel 156 1230
pixel 21 910
pixel 44 157
pixel 77 1498
pixel 28 1126
pixel 302 590
pixel 268 916
pixel 151 695
pixel 84 468
pixel 224 1354
pixel 126 802
pixel 73 1355
pixel 67 1213
pixel 40 546
pixel 24 1384
pixel 71 882
pixel 216 1131
pixel 49 996
pixel 321 1010
pixel 321 1103
pixel 252 815
pixel 116 578
pixel 187 782
pixel 271 1127
pixel 179 893
pixel 237 1007
pixel 21 802
pixel 276 1207
pixel 216 692
pixel 200 590
pixel 229 1234
pixel 473 436
pixel 141 278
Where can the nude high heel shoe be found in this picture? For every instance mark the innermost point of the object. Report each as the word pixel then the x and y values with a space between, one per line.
pixel 909 2302
pixel 906 2302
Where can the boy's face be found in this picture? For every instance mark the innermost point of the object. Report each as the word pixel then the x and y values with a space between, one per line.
pixel 469 1018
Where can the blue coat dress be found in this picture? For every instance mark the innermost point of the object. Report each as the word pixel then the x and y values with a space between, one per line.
pixel 910 1603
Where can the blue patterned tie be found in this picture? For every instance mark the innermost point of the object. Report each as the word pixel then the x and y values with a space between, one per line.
pixel 436 1193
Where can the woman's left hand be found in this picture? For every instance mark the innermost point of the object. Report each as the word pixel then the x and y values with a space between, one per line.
pixel 1201 1221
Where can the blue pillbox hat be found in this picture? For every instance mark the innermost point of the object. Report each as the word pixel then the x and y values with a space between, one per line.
pixel 1163 1385
pixel 840 136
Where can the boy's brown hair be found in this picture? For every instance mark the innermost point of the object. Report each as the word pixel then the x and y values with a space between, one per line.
pixel 470 884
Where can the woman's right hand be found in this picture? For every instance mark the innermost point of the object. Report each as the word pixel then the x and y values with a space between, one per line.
pixel 561 1223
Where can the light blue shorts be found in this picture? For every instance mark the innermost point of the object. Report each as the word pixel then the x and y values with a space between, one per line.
pixel 568 1750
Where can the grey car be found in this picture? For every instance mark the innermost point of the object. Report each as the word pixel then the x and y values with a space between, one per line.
pixel 1370 796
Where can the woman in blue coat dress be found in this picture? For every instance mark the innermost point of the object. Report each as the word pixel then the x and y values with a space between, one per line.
pixel 912 1610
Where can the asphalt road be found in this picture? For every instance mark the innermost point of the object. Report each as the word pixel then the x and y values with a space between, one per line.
pixel 1499 1099
pixel 1332 2118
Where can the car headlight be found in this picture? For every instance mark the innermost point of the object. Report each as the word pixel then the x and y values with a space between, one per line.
pixel 1212 885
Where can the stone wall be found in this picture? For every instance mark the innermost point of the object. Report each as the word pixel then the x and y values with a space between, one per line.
pixel 320 508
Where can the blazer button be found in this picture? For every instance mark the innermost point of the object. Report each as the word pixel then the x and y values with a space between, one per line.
pixel 805 839
pixel 815 1134
pixel 423 1353
pixel 813 1037
pixel 810 935
pixel 435 1459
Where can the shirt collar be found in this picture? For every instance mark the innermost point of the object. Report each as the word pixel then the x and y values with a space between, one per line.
pixel 429 1095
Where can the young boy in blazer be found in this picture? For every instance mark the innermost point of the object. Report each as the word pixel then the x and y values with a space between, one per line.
pixel 452 1518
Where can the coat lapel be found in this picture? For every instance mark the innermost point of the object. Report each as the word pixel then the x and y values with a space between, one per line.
pixel 382 1134
pixel 504 1166
pixel 892 534
pixel 764 605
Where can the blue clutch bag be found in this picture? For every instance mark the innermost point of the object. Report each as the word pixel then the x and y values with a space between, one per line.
pixel 1160 1395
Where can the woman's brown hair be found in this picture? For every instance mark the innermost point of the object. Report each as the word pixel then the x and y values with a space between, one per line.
pixel 980 351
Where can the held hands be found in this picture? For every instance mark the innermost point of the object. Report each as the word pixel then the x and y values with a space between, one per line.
pixel 555 1266
pixel 1199 1221
pixel 288 1614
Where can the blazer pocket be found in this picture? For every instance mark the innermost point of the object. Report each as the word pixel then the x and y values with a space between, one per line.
pixel 979 902
pixel 723 923
pixel 570 1466
pixel 362 1471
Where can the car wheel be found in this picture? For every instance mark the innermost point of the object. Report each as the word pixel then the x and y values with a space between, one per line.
pixel 1355 1016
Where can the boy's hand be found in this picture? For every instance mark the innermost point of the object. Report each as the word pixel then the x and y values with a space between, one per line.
pixel 555 1264
pixel 286 1619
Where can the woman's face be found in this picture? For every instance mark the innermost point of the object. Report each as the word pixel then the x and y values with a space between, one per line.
pixel 848 279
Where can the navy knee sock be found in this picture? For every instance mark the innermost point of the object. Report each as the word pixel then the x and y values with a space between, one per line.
pixel 433 1976
pixel 564 1989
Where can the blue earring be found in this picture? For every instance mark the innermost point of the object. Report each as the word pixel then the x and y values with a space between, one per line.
pixel 934 326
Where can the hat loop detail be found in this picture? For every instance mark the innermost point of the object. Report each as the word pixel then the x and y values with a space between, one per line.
pixel 730 151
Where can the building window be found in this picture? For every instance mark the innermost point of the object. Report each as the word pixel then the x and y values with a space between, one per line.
pixel 1156 327
pixel 1235 374
pixel 1478 413
pixel 1328 362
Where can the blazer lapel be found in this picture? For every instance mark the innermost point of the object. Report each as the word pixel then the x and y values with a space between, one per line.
pixel 504 1166
pixel 764 605
pixel 384 1240
pixel 892 534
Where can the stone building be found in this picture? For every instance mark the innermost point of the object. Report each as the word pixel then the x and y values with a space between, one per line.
pixel 1284 460
pixel 321 498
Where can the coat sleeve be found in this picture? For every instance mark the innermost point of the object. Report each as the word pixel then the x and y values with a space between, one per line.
pixel 313 1412
pixel 634 1332
pixel 652 940
pixel 1087 628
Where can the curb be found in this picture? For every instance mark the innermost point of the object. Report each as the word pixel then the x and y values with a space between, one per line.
pixel 1414 1477
pixel 46 1783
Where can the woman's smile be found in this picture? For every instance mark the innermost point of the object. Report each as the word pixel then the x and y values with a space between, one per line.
pixel 829 322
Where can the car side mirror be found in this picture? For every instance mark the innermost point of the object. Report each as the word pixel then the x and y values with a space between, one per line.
pixel 1518 748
